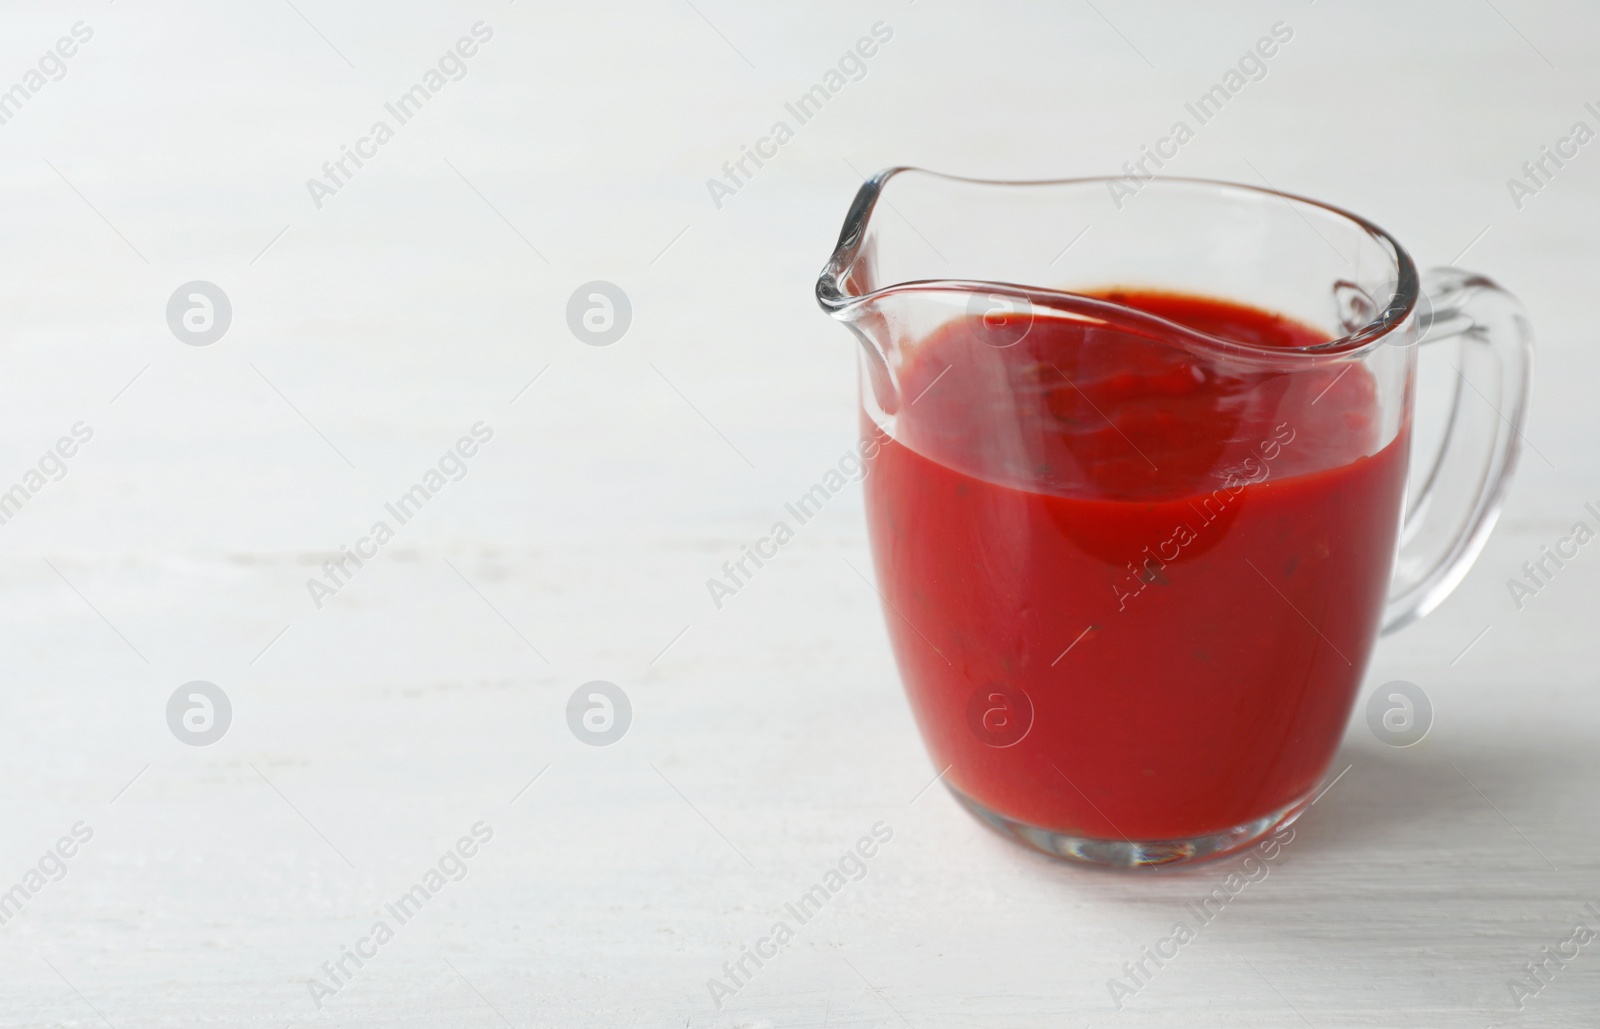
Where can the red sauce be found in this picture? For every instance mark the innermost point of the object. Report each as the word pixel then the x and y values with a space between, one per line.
pixel 1164 573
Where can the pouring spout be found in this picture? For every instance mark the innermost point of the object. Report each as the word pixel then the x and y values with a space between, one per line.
pixel 844 287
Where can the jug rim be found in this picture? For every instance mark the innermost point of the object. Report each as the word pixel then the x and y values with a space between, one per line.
pixel 836 302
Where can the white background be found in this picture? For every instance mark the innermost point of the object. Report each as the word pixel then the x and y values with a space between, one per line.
pixel 772 733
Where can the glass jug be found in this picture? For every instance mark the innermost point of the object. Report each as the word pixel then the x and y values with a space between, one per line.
pixel 1137 487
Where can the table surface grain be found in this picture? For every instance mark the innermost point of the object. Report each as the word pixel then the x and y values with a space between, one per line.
pixel 376 323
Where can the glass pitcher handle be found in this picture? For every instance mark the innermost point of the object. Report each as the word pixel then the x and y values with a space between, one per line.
pixel 1448 520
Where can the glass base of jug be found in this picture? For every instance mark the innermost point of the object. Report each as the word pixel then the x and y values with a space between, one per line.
pixel 1135 854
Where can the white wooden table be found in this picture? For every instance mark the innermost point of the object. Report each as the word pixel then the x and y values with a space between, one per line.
pixel 430 289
